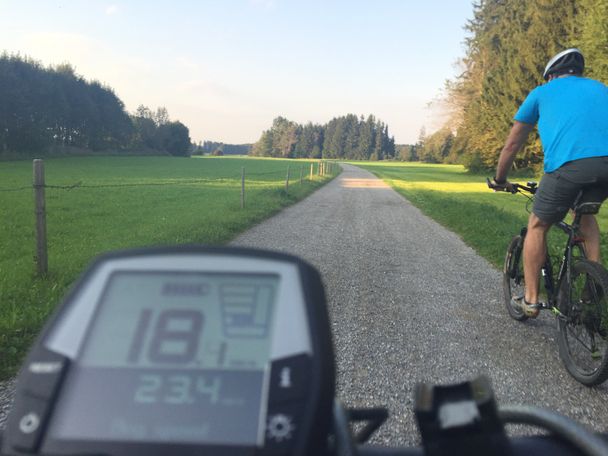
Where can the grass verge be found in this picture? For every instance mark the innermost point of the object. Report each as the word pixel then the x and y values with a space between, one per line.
pixel 122 202
pixel 462 202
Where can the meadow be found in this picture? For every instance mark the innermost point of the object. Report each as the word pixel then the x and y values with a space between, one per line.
pixel 122 202
pixel 462 202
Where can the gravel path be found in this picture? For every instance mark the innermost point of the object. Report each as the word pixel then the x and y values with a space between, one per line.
pixel 6 397
pixel 410 302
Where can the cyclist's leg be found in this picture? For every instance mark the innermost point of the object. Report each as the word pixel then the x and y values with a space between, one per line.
pixel 535 253
pixel 590 232
pixel 594 173
pixel 553 199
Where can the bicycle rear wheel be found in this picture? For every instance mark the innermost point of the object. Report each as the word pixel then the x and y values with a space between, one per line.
pixel 583 326
pixel 513 278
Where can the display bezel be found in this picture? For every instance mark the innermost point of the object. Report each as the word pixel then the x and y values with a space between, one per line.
pixel 316 413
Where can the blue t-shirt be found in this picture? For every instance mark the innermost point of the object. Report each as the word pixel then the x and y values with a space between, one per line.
pixel 572 116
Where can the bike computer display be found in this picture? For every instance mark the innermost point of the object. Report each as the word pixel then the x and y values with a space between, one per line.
pixel 177 351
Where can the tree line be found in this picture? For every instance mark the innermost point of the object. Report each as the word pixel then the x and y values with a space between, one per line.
pixel 509 44
pixel 346 137
pixel 44 108
pixel 220 148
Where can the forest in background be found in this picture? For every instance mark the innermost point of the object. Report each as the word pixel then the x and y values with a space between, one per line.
pixel 54 110
pixel 509 44
pixel 347 137
pixel 220 148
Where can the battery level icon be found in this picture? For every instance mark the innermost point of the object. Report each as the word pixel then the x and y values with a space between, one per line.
pixel 246 310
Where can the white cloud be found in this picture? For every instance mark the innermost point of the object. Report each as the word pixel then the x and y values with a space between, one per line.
pixel 111 9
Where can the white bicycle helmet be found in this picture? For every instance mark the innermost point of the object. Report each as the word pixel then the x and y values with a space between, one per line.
pixel 570 61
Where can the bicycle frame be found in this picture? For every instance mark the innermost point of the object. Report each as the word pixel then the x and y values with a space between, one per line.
pixel 575 294
pixel 571 231
pixel 551 286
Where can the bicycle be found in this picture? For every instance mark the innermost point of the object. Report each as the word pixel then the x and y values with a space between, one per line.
pixel 576 295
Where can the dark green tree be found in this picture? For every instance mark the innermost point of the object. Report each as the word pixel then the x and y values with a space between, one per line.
pixel 174 138
pixel 42 109
pixel 347 137
pixel 509 43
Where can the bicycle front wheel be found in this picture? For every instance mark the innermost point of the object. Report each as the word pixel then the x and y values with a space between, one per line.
pixel 513 278
pixel 583 325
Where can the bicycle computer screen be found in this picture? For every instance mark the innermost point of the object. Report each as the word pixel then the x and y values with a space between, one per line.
pixel 190 352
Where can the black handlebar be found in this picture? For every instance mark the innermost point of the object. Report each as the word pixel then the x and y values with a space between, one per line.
pixel 540 445
pixel 567 437
pixel 567 429
pixel 465 419
pixel 515 188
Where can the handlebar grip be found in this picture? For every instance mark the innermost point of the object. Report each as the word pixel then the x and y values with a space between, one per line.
pixel 499 188
pixel 515 188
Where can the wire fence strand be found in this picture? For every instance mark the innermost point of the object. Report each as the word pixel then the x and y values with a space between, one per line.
pixel 16 189
pixel 256 179
pixel 80 184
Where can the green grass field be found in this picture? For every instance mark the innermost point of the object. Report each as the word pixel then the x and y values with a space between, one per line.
pixel 142 201
pixel 463 203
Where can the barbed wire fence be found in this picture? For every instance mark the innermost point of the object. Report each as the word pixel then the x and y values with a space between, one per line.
pixel 39 186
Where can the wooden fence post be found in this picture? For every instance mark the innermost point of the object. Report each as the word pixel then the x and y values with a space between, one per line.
pixel 242 187
pixel 287 180
pixel 42 261
pixel 301 173
pixel 312 166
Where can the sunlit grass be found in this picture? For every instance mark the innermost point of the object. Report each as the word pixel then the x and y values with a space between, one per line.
pixel 198 202
pixel 462 202
pixel 447 187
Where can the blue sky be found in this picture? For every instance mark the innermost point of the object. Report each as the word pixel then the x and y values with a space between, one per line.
pixel 226 68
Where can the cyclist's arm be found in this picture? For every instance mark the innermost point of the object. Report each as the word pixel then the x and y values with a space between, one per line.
pixel 515 141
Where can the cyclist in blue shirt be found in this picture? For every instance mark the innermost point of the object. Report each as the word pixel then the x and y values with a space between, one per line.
pixel 572 116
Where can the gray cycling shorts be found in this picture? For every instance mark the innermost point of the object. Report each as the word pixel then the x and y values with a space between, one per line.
pixel 559 189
